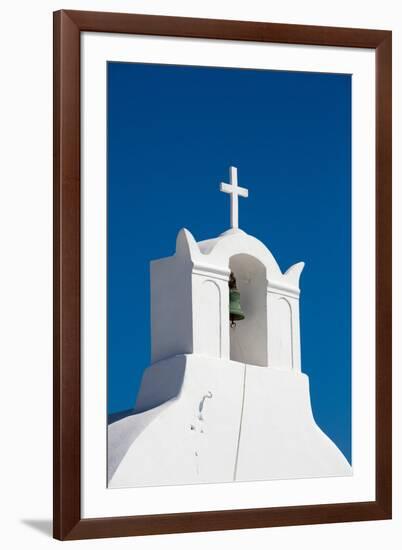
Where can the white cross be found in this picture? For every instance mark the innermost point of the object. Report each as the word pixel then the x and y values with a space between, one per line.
pixel 235 192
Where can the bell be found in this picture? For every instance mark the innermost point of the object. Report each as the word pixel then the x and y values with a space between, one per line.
pixel 235 311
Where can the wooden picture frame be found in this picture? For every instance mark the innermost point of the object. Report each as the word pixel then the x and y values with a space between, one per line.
pixel 68 523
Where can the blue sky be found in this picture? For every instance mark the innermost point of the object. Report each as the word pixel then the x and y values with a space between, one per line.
pixel 173 132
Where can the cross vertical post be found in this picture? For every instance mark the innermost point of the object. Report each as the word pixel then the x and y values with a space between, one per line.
pixel 235 192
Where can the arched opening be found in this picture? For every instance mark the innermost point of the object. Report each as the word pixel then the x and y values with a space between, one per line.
pixel 248 339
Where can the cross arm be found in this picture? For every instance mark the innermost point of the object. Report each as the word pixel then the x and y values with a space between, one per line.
pixel 228 188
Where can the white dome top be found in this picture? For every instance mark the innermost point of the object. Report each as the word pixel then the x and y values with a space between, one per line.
pixel 219 250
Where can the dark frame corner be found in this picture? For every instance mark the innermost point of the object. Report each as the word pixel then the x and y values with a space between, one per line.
pixel 68 26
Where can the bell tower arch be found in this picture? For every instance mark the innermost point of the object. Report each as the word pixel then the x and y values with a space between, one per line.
pixel 248 338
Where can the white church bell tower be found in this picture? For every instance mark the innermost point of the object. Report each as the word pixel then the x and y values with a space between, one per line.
pixel 192 287
pixel 222 401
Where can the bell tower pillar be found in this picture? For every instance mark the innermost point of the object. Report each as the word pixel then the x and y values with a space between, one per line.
pixel 210 315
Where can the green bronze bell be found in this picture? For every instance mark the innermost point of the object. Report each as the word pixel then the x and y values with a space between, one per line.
pixel 235 311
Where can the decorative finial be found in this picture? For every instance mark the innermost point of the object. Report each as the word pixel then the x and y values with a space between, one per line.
pixel 235 192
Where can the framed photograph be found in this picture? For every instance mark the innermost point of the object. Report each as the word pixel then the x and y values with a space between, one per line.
pixel 222 274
